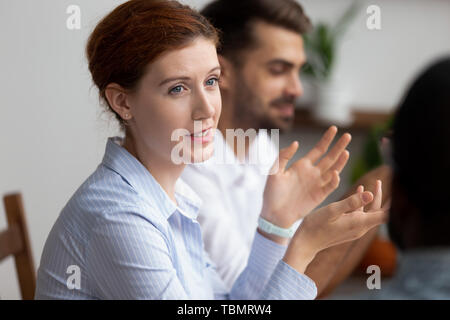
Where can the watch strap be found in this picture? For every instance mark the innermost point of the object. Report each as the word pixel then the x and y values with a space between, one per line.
pixel 269 227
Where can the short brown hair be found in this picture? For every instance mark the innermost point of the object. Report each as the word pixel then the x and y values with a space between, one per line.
pixel 134 34
pixel 235 19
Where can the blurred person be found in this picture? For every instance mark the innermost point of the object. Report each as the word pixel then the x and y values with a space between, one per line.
pixel 419 220
pixel 261 54
pixel 130 230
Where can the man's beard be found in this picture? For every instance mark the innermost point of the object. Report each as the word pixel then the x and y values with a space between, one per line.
pixel 249 111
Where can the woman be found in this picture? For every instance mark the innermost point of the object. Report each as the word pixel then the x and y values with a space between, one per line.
pixel 129 232
pixel 420 219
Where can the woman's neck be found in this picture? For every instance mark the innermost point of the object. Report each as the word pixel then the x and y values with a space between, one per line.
pixel 165 172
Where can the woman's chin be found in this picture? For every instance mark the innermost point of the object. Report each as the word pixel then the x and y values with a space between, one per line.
pixel 202 154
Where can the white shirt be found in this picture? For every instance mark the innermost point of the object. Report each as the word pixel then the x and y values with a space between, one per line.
pixel 232 195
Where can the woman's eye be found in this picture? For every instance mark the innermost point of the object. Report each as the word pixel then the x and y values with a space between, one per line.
pixel 177 89
pixel 212 81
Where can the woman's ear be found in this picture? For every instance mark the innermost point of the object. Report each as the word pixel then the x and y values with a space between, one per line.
pixel 226 73
pixel 118 100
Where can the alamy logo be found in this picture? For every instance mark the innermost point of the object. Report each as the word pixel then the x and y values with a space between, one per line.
pixel 73 22
pixel 374 19
pixel 189 146
pixel 74 280
pixel 374 281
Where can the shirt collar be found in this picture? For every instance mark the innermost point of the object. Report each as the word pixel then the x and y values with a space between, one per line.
pixel 135 174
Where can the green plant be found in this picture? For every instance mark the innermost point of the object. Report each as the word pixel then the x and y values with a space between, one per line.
pixel 321 45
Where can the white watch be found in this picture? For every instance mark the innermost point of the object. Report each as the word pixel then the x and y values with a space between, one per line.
pixel 268 227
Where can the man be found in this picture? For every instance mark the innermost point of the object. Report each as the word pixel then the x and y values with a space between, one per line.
pixel 261 54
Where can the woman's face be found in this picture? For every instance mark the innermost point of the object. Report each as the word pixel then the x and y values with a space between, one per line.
pixel 178 88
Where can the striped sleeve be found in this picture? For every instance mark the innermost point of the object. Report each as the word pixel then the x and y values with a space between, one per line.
pixel 266 274
pixel 286 283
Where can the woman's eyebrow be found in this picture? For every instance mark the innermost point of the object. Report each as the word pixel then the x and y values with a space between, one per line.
pixel 214 69
pixel 173 79
pixel 184 78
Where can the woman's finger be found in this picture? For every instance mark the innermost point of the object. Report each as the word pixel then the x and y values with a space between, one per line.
pixel 322 146
pixel 355 224
pixel 387 205
pixel 378 196
pixel 332 183
pixel 352 203
pixel 333 155
pixel 341 162
pixel 375 218
pixel 360 189
pixel 284 156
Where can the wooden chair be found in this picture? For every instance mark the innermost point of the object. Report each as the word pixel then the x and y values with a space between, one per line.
pixel 15 241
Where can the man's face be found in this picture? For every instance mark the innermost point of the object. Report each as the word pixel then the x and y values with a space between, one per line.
pixel 267 81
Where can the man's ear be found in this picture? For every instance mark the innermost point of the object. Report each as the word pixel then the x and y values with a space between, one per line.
pixel 226 73
pixel 118 100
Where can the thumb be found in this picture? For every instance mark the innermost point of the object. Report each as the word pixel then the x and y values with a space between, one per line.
pixel 352 203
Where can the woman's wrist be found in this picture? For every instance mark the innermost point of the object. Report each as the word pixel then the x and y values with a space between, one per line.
pixel 300 253
pixel 274 238
pixel 280 220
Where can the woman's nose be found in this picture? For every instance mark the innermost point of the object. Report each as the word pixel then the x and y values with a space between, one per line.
pixel 203 108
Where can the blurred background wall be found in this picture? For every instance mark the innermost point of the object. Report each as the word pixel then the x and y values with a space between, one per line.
pixel 53 132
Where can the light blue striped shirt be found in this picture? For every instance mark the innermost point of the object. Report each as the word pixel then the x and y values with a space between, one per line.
pixel 120 236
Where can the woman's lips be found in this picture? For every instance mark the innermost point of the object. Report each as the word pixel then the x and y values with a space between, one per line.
pixel 203 136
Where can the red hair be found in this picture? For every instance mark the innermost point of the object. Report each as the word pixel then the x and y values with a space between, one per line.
pixel 134 34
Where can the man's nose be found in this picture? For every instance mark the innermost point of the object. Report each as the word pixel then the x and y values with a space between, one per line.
pixel 295 87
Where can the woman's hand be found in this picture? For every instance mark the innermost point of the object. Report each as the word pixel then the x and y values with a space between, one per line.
pixel 334 224
pixel 290 194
